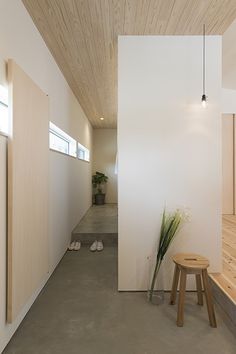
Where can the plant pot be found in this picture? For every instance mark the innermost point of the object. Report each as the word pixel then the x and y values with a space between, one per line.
pixel 99 199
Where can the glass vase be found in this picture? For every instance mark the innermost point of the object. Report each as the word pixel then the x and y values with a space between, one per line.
pixel 156 296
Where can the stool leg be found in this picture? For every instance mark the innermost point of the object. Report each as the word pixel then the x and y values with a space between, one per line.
pixel 180 317
pixel 199 289
pixel 174 286
pixel 209 301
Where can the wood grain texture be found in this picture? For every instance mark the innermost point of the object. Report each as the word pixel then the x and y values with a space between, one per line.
pixel 174 286
pixel 228 164
pixel 82 37
pixel 209 299
pixel 229 248
pixel 191 261
pixel 28 167
pixel 182 286
pixel 199 289
pixel 227 279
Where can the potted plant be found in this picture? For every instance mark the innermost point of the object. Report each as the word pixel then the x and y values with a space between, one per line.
pixel 99 180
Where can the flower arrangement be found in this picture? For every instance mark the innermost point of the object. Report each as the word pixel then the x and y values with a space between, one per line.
pixel 171 224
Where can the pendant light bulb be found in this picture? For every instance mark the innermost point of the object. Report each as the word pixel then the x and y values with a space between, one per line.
pixel 204 97
pixel 204 101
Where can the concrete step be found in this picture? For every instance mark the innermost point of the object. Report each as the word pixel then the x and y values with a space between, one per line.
pixel 99 223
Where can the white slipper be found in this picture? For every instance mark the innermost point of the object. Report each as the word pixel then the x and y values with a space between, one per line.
pixel 77 246
pixel 99 246
pixel 93 247
pixel 71 246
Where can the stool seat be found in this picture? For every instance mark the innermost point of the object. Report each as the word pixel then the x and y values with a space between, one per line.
pixel 191 261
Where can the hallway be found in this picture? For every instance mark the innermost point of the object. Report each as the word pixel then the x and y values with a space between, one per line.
pixel 99 223
pixel 114 108
pixel 80 312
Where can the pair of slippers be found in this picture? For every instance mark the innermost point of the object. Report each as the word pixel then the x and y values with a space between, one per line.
pixel 96 246
pixel 74 246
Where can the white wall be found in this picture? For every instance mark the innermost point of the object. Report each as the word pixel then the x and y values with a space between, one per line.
pixel 3 150
pixel 104 159
pixel 169 150
pixel 70 179
pixel 228 101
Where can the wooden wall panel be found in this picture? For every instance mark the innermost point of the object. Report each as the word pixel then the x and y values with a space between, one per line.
pixel 227 164
pixel 28 166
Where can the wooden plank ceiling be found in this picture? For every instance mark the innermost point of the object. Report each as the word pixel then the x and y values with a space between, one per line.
pixel 82 37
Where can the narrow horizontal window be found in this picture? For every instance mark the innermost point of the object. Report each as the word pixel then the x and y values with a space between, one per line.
pixel 60 141
pixel 4 110
pixel 83 153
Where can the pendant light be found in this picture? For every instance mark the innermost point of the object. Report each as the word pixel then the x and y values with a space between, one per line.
pixel 204 97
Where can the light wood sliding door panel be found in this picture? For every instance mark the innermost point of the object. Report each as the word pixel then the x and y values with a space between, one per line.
pixel 28 166
pixel 228 172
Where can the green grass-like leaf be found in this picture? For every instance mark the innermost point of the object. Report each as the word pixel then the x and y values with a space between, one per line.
pixel 170 226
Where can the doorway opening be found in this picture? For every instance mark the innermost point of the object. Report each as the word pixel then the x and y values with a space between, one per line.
pixel 98 229
pixel 229 205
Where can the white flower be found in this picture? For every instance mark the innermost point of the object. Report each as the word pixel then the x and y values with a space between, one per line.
pixel 184 214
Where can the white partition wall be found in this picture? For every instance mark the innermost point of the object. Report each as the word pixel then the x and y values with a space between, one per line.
pixel 169 150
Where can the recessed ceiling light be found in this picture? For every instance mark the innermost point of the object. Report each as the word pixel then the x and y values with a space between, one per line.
pixel 101 118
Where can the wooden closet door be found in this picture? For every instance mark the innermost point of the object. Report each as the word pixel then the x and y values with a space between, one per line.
pixel 227 164
pixel 28 179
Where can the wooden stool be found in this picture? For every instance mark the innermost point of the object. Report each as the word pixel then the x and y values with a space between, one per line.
pixel 191 264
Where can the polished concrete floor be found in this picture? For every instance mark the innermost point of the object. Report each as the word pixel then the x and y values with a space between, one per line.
pixel 99 219
pixel 80 312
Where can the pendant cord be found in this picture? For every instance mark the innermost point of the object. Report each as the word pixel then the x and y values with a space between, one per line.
pixel 204 60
